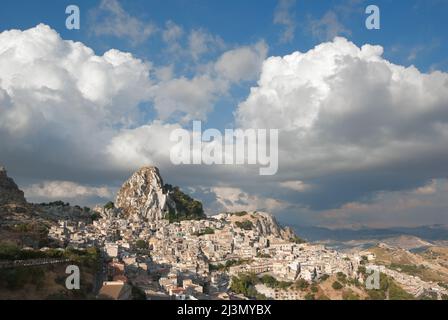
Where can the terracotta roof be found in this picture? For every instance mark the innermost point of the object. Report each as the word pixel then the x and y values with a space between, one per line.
pixel 116 291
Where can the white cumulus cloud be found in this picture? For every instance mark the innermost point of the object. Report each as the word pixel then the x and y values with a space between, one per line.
pixel 55 190
pixel 243 63
pixel 341 107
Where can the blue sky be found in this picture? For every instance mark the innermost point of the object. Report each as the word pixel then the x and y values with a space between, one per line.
pixel 413 32
pixel 392 111
pixel 406 24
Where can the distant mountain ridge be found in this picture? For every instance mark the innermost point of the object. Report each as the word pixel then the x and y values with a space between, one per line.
pixel 427 233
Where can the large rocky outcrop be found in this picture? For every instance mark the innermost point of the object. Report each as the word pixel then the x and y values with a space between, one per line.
pixel 265 223
pixel 9 191
pixel 143 196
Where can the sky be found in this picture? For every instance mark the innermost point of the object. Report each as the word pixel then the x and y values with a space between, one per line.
pixel 362 114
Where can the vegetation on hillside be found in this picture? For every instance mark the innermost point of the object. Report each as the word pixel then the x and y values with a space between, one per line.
pixel 204 232
pixel 271 282
pixel 389 289
pixel 245 225
pixel 245 284
pixel 229 263
pixel 41 279
pixel 298 240
pixel 141 244
pixel 58 203
pixel 301 284
pixel 238 214
pixel 110 205
pixel 187 207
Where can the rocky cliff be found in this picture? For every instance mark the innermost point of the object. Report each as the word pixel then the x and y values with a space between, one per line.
pixel 14 209
pixel 9 191
pixel 144 196
pixel 265 223
pixel 268 225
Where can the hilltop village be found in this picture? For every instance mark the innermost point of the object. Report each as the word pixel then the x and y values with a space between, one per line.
pixel 156 241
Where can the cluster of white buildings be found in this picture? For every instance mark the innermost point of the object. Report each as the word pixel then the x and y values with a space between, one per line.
pixel 189 255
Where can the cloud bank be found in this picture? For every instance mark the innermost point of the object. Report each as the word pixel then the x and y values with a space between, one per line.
pixel 352 124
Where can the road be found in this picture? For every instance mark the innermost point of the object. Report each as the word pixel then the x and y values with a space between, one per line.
pixel 31 263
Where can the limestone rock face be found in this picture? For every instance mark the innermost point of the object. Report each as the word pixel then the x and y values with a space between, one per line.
pixel 143 196
pixel 9 191
pixel 267 225
pixel 108 213
pixel 288 234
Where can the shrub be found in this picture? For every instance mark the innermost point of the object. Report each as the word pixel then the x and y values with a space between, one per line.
pixel 302 284
pixel 310 296
pixel 141 244
pixel 337 285
pixel 244 284
pixel 271 282
pixel 350 295
pixel 204 232
pixel 138 294
pixel 187 207
pixel 298 240
pixel 239 214
pixel 58 203
pixel 95 216
pixel 398 293
pixel 110 205
pixel 342 277
pixel 324 277
pixel 245 225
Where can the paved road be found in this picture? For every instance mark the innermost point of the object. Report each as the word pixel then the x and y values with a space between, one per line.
pixel 30 263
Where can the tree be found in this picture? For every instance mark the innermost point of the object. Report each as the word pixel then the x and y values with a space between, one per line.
pixel 298 240
pixel 342 277
pixel 95 216
pixel 187 207
pixel 207 230
pixel 350 295
pixel 245 225
pixel 310 296
pixel 324 277
pixel 138 294
pixel 141 244
pixel 302 284
pixel 239 214
pixel 337 285
pixel 244 284
pixel 110 205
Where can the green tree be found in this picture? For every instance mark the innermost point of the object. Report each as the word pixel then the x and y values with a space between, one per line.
pixel 301 284
pixel 350 295
pixel 310 296
pixel 141 244
pixel 110 205
pixel 245 225
pixel 337 285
